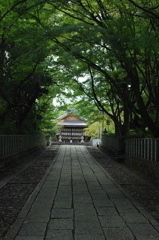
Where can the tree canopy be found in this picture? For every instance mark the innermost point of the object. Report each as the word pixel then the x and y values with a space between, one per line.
pixel 48 46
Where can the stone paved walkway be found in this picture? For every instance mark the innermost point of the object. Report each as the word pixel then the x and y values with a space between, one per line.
pixel 78 200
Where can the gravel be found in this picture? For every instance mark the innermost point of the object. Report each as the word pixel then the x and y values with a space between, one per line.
pixel 140 188
pixel 15 193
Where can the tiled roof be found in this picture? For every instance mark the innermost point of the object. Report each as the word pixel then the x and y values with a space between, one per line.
pixel 67 114
pixel 73 124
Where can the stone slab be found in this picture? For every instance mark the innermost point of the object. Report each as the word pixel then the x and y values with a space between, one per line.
pixel 112 221
pixel 62 213
pixel 32 229
pixel 89 237
pixel 134 218
pixel 29 238
pixel 58 224
pixel 118 234
pixel 59 235
pixel 107 211
pixel 88 228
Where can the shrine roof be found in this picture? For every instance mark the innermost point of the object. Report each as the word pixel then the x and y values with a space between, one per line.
pixel 68 114
pixel 78 124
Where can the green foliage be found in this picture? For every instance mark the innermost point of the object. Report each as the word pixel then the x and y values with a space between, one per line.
pixel 120 55
pixel 139 134
pixel 93 130
pixel 24 75
pixel 47 46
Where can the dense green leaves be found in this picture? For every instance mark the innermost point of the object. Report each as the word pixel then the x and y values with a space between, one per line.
pixel 119 49
pixel 113 44
pixel 24 76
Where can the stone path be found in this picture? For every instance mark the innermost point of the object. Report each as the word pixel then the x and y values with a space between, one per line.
pixel 78 200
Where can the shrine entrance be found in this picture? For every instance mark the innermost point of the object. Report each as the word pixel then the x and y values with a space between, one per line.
pixel 71 128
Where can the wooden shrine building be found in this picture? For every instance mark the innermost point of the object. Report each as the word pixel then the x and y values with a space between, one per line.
pixel 71 128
